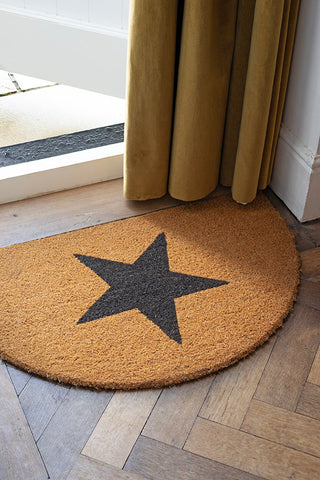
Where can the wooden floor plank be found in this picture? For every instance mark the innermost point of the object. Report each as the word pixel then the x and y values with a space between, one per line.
pixel 233 388
pixel 74 209
pixel 314 375
pixel 282 209
pixel 173 416
pixel 309 402
pixel 69 429
pixel 310 264
pixel 40 400
pixel 281 426
pixel 18 377
pixel 291 359
pixel 252 454
pixel 19 456
pixel 158 461
pixel 90 469
pixel 120 425
pixel 303 236
pixel 313 229
pixel 309 294
pixel 71 210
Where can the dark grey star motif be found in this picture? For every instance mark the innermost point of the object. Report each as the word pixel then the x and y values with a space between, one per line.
pixel 147 285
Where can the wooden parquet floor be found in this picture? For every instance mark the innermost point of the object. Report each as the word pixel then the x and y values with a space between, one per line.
pixel 259 419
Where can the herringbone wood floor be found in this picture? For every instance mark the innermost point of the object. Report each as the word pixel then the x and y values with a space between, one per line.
pixel 256 420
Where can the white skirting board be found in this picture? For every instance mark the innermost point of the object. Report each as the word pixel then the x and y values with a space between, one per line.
pixel 40 177
pixel 296 177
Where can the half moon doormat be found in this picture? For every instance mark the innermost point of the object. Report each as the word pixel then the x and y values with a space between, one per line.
pixel 148 301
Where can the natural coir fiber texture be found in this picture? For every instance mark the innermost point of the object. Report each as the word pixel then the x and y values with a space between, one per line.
pixel 148 301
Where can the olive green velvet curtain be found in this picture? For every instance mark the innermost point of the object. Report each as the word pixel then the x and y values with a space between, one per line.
pixel 205 94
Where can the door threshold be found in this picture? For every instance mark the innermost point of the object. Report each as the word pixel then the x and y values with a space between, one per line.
pixel 62 172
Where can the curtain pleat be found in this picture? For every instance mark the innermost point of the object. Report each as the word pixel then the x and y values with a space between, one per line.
pixel 202 92
pixel 293 18
pixel 151 72
pixel 206 89
pixel 257 98
pixel 236 89
pixel 270 134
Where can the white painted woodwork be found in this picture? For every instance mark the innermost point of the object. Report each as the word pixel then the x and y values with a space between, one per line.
pixel 74 9
pixel 296 175
pixel 110 14
pixel 64 172
pixel 125 14
pixel 82 43
pixel 13 4
pixel 46 7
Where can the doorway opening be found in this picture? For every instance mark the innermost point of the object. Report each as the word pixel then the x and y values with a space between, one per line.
pixel 68 131
pixel 50 131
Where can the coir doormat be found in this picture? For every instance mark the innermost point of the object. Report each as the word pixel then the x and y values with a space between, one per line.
pixel 148 301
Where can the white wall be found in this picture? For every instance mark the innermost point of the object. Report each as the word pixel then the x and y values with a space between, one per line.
pixel 296 176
